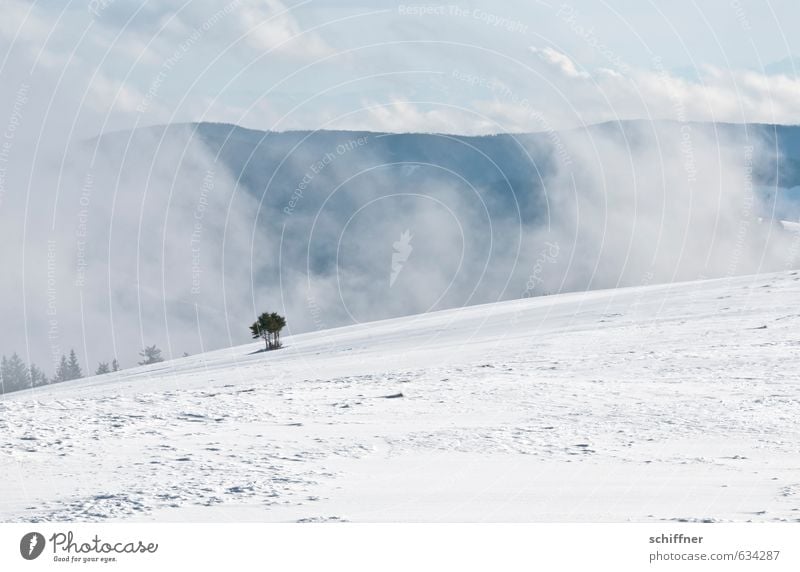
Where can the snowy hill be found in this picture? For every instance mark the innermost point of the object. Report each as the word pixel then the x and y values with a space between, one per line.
pixel 670 402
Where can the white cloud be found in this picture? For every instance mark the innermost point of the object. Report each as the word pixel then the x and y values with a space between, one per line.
pixel 104 92
pixel 562 96
pixel 559 61
pixel 400 116
pixel 269 25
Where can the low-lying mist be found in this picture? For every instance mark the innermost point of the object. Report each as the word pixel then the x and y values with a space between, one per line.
pixel 179 236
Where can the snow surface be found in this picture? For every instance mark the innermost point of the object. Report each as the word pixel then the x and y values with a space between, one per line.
pixel 656 403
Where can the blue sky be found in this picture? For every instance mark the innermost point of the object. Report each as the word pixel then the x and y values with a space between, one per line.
pixel 469 67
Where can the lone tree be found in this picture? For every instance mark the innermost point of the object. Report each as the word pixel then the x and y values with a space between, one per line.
pixel 151 354
pixel 74 367
pixel 268 326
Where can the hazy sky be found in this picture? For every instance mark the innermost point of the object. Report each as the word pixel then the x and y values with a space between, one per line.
pixel 99 65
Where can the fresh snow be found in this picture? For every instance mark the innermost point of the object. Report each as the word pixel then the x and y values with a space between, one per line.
pixel 657 403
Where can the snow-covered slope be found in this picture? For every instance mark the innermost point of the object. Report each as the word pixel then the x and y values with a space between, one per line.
pixel 653 403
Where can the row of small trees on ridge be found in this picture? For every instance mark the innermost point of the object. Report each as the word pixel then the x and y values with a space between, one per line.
pixel 16 375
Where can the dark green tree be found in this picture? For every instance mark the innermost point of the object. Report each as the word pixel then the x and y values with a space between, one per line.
pixel 102 368
pixel 277 323
pixel 268 327
pixel 259 329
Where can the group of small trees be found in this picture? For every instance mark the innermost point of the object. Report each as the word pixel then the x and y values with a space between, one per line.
pixel 103 367
pixel 15 375
pixel 151 354
pixel 68 368
pixel 268 326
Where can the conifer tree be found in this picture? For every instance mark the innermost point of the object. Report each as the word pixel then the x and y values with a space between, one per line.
pixel 14 373
pixel 38 377
pixel 62 371
pixel 151 354
pixel 68 368
pixel 74 367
